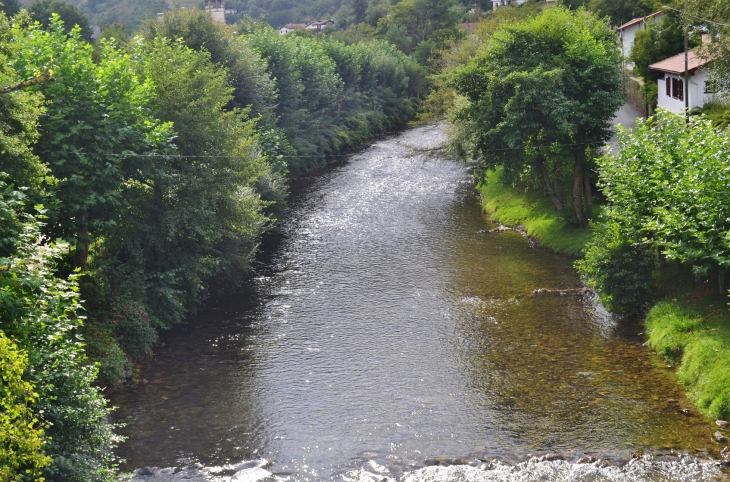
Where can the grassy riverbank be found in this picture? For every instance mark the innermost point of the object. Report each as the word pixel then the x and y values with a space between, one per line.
pixel 532 210
pixel 689 326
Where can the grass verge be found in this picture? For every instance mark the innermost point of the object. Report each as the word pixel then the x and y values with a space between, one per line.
pixel 532 210
pixel 691 328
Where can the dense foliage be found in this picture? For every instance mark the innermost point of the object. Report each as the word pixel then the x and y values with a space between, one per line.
pixel 539 99
pixel 41 313
pixel 667 191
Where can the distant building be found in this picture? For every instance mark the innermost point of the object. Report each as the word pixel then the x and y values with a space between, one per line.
pixel 627 34
pixel 216 9
pixel 671 82
pixel 290 27
pixel 506 3
pixel 320 25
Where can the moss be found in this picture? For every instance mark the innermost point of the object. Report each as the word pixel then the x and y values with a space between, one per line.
pixel 692 329
pixel 520 206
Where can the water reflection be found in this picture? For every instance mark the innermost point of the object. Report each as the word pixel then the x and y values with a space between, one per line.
pixel 385 325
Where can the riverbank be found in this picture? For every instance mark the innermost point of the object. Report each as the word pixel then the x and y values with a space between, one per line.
pixel 533 212
pixel 689 326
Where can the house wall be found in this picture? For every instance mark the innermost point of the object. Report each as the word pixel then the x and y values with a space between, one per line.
pixel 627 42
pixel 697 95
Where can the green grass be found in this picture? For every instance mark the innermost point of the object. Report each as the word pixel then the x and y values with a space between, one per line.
pixel 691 328
pixel 514 206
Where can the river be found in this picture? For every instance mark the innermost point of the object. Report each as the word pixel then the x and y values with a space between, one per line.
pixel 384 330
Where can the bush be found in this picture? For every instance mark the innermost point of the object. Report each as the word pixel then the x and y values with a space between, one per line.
pixel 618 269
pixel 21 438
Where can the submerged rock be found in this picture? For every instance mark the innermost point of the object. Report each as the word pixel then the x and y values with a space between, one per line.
pixel 719 437
pixel 721 423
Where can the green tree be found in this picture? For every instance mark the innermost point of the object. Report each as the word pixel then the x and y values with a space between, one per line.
pixel 10 7
pixel 97 122
pixel 545 90
pixel 656 42
pixel 621 11
pixel 43 10
pixel 713 17
pixel 20 112
pixel 360 9
pixel 619 268
pixel 247 72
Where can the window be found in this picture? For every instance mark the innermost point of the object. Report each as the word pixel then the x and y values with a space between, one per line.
pixel 669 86
pixel 710 87
pixel 677 88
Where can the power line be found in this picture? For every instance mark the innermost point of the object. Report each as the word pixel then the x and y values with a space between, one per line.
pixel 684 12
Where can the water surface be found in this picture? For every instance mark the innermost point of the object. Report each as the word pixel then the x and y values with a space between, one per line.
pixel 383 326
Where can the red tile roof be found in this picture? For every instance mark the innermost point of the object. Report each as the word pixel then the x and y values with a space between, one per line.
pixel 675 64
pixel 638 20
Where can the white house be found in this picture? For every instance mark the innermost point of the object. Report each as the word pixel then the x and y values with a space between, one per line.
pixel 320 25
pixel 671 82
pixel 290 27
pixel 506 3
pixel 627 33
pixel 216 9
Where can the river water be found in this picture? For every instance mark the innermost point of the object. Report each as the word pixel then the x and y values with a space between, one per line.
pixel 383 328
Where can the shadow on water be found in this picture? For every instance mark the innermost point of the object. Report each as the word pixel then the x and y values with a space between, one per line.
pixel 382 326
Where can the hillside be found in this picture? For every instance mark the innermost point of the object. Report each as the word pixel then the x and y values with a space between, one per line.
pixel 276 12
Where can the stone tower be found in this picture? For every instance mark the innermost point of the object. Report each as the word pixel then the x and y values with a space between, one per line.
pixel 216 9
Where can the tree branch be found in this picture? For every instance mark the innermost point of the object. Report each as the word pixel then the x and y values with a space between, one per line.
pixel 41 79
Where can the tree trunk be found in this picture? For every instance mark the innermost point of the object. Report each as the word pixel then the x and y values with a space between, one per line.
pixel 578 193
pixel 81 255
pixel 589 196
pixel 552 192
pixel 662 258
pixel 721 281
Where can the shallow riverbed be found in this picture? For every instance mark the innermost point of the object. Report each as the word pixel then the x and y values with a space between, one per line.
pixel 384 329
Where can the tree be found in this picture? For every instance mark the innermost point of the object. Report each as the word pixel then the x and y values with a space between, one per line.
pixel 414 21
pixel 253 86
pixel 70 15
pixel 544 92
pixel 360 9
pixel 10 7
pixel 97 122
pixel 20 113
pixel 621 11
pixel 713 17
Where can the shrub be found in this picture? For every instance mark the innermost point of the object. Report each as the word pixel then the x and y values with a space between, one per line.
pixel 619 270
pixel 21 438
